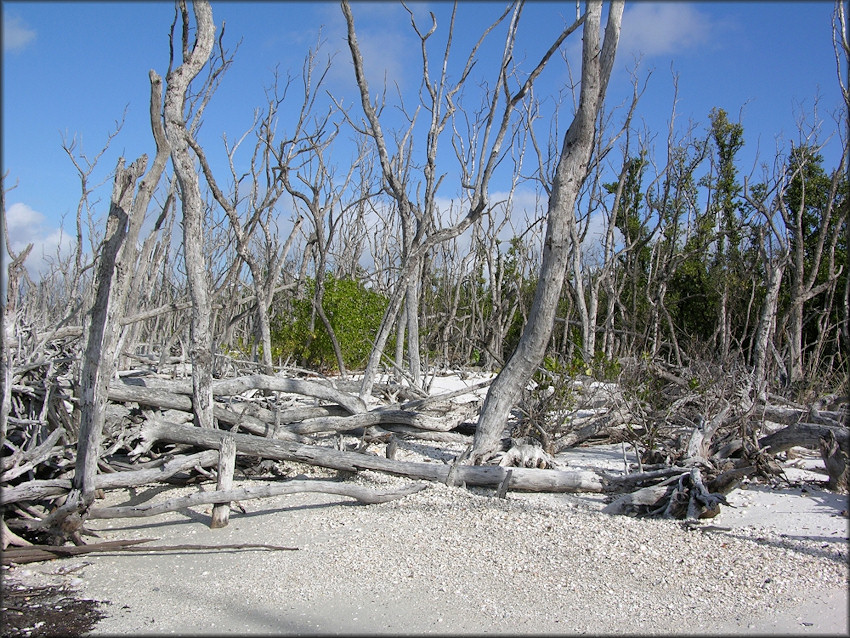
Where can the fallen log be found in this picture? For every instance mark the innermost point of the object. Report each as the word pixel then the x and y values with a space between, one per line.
pixel 417 404
pixel 23 460
pixel 806 435
pixel 640 502
pixel 357 492
pixel 602 425
pixel 790 415
pixel 522 479
pixel 409 432
pixel 350 402
pixel 165 400
pixel 34 490
pixel 38 553
pixel 689 498
pixel 381 417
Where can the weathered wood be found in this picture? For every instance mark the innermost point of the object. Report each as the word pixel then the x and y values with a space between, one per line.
pixel 700 440
pixel 502 492
pixel 38 553
pixel 806 435
pixel 8 537
pixel 644 499
pixel 101 329
pixel 352 403
pixel 628 482
pixel 837 464
pixel 26 460
pixel 523 479
pixel 793 415
pixel 226 465
pixel 357 492
pixel 728 480
pixel 602 425
pixel 161 393
pixel 418 404
pixel 35 490
pixel 702 503
pixel 407 431
pixel 561 228
pixel 153 397
pixel 379 417
pixel 165 400
pixel 392 448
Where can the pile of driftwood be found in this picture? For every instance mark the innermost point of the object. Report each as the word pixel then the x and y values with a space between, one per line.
pixel 690 455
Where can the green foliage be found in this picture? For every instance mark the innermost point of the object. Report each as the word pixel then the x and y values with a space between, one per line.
pixel 354 312
pixel 728 139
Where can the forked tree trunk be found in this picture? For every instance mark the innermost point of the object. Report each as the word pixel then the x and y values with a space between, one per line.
pixel 178 80
pixel 571 173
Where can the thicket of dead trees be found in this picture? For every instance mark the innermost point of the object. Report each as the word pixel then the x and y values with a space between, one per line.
pixel 706 325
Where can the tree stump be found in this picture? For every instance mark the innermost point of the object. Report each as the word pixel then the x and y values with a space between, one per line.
pixel 226 466
pixel 836 461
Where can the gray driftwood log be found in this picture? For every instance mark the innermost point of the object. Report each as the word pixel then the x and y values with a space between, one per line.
pixel 357 492
pixel 806 435
pixel 34 490
pixel 522 479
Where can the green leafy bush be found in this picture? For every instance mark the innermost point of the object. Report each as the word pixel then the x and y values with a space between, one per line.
pixel 354 312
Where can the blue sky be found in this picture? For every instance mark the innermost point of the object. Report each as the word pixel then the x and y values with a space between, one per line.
pixel 71 68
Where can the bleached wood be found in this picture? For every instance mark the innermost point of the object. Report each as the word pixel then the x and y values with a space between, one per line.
pixel 571 173
pixel 357 492
pixel 226 466
pixel 523 479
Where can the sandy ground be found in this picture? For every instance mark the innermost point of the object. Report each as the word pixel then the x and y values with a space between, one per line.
pixel 260 592
pixel 240 592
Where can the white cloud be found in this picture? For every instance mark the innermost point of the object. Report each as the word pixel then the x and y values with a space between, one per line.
pixel 387 43
pixel 25 226
pixel 652 29
pixel 16 34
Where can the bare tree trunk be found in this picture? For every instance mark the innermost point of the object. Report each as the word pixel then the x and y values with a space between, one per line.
pixel 178 81
pixel 487 137
pixel 766 325
pixel 100 333
pixel 8 312
pixel 411 303
pixel 116 260
pixel 571 173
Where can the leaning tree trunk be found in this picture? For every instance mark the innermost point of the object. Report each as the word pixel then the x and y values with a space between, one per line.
pixel 114 275
pixel 178 81
pixel 100 333
pixel 570 174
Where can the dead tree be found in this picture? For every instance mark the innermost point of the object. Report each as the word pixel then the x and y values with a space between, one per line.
pixel 194 57
pixel 8 310
pixel 115 262
pixel 597 63
pixel 310 179
pixel 265 191
pixel 487 147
